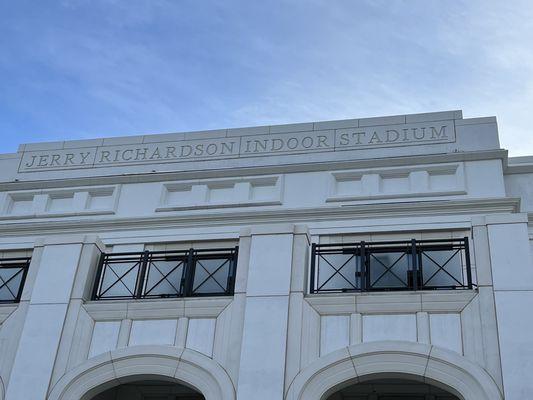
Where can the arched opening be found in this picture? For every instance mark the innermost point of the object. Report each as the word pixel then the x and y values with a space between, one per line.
pixel 442 369
pixel 392 389
pixel 149 389
pixel 185 369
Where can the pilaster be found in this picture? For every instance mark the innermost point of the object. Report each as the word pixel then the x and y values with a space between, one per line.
pixel 274 289
pixel 46 318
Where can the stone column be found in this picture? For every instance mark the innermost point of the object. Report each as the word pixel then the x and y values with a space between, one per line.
pixel 268 289
pixel 49 301
pixel 512 275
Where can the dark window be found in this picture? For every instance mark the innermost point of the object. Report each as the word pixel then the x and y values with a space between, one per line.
pixel 157 274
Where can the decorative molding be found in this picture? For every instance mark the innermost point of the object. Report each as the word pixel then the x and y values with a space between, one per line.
pixel 217 172
pixel 113 310
pixel 221 193
pixel 304 215
pixel 366 361
pixel 221 146
pixel 519 165
pixel 115 367
pixel 57 203
pixel 397 182
pixel 391 302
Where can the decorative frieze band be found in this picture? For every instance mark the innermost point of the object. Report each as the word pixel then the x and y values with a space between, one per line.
pixel 241 146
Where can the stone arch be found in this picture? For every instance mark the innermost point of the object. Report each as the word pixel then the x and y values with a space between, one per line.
pixel 124 365
pixel 443 368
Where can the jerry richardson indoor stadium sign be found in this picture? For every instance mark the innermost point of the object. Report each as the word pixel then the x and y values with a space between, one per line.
pixel 240 146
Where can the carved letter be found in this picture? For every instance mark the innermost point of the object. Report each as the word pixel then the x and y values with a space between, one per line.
pixel 258 144
pixel 211 149
pixel 357 136
pixel 55 159
pixel 277 147
pixel 322 140
pixel 155 154
pixel 84 157
pixel 294 142
pixel 69 157
pixel 129 151
pixel 307 142
pixel 171 150
pixel 189 148
pixel 199 150
pixel 343 141
pixel 418 137
pixel 375 138
pixel 43 161
pixel 141 153
pixel 440 134
pixel 32 162
pixel 105 154
pixel 225 146
pixel 392 135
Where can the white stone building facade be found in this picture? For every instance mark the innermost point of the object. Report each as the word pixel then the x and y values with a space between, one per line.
pixel 368 259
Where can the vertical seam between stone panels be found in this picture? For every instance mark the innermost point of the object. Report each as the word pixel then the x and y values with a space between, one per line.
pixel 427 362
pixel 352 357
pixel 495 310
pixel 178 363
pixel 2 387
pixel 287 334
pixel 113 365
pixel 66 366
pixel 48 388
pixel 289 301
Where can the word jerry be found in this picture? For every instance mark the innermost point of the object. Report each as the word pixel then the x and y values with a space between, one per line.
pixel 59 159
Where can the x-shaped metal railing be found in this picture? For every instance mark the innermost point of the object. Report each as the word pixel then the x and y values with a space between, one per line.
pixel 177 279
pixel 12 282
pixel 394 265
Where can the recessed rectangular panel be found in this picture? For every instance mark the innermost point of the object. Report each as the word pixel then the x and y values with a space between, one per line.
pixel 264 191
pixel 105 337
pixel 22 205
pixel 99 201
pixel 445 331
pixel 201 334
pixel 348 186
pixel 157 331
pixel 334 333
pixel 442 181
pixel 221 194
pixel 182 195
pixel 389 327
pixel 394 184
pixel 60 203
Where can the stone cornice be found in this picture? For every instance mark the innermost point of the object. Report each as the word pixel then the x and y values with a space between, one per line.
pixel 389 303
pixel 161 176
pixel 519 165
pixel 245 217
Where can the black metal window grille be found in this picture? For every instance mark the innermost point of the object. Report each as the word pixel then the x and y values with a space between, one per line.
pixel 398 265
pixel 13 273
pixel 160 274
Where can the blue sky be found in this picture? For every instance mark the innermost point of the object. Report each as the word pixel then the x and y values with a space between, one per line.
pixel 76 69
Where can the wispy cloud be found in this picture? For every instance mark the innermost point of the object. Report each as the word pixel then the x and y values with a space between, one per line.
pixel 79 68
